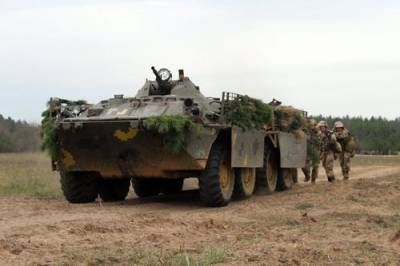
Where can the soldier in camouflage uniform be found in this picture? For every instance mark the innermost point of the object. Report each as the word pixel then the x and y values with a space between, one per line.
pixel 313 152
pixel 346 141
pixel 329 146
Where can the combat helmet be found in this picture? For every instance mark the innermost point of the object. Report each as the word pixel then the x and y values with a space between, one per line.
pixel 322 123
pixel 339 124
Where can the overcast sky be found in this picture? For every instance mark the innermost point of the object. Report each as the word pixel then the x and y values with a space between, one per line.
pixel 327 57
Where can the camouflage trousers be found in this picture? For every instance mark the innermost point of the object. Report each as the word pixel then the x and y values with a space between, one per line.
pixel 310 170
pixel 328 158
pixel 344 159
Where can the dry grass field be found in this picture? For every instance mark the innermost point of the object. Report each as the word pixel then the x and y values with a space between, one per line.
pixel 29 175
pixel 345 223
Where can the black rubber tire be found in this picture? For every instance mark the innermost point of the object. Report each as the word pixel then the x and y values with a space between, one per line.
pixel 146 187
pixel 271 167
pixel 210 188
pixel 171 186
pixel 244 187
pixel 80 187
pixel 114 189
pixel 285 179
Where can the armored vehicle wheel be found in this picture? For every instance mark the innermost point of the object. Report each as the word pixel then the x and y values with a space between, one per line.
pixel 245 182
pixel 171 186
pixel 218 180
pixel 267 177
pixel 285 179
pixel 146 187
pixel 79 187
pixel 114 189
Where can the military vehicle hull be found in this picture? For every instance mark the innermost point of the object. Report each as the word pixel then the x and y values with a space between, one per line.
pixel 118 150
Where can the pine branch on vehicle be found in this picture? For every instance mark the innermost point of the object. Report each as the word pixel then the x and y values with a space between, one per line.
pixel 288 118
pixel 49 132
pixel 175 130
pixel 249 113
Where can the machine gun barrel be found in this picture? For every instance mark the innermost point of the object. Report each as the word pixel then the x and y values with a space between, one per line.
pixel 158 78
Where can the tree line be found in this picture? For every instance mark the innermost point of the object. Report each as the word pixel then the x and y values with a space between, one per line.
pixel 18 136
pixel 375 135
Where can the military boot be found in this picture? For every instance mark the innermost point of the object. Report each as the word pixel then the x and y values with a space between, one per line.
pixel 314 175
pixel 306 172
pixel 331 178
pixel 345 174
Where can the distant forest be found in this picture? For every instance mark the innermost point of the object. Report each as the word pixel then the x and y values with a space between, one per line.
pixel 373 135
pixel 18 136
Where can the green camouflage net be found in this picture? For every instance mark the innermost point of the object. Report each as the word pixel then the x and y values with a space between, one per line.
pixel 249 113
pixel 175 130
pixel 49 132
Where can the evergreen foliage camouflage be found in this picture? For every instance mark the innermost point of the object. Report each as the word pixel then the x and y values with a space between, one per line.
pixel 50 139
pixel 249 113
pixel 289 119
pixel 175 130
pixel 49 134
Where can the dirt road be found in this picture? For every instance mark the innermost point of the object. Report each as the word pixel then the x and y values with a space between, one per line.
pixel 355 222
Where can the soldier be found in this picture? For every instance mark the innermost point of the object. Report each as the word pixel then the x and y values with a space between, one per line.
pixel 346 141
pixel 313 152
pixel 329 146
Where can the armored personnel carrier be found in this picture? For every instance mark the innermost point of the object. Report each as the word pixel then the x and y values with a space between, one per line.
pixel 168 132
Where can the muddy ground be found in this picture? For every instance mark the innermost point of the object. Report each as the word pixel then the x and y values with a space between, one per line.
pixel 353 223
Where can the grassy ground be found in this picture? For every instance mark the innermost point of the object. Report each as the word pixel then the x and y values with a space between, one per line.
pixel 344 223
pixel 28 174
pixel 209 256
pixel 382 160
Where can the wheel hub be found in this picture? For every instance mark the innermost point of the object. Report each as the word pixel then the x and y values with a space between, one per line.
pixel 271 173
pixel 225 176
pixel 247 177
